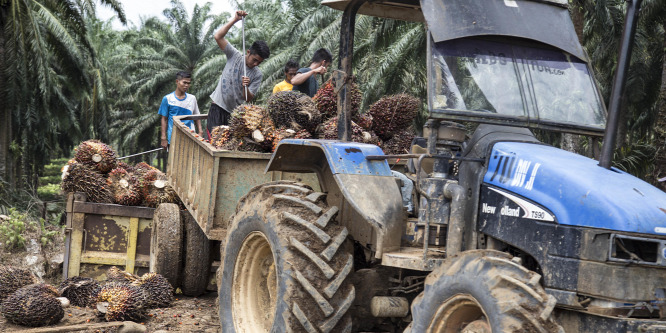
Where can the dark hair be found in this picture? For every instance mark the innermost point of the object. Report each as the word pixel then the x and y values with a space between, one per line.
pixel 290 64
pixel 321 55
pixel 261 49
pixel 183 75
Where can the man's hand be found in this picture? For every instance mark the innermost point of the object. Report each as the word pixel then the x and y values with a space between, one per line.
pixel 239 15
pixel 320 70
pixel 246 81
pixel 164 143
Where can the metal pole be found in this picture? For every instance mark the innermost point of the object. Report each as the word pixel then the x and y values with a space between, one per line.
pixel 345 65
pixel 623 62
pixel 244 55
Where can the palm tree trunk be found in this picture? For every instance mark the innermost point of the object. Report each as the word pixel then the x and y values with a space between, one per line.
pixel 5 113
pixel 660 129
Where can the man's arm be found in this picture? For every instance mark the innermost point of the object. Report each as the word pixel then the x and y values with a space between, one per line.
pixel 299 78
pixel 220 34
pixel 198 122
pixel 163 142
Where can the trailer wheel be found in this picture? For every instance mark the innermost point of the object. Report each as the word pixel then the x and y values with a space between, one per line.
pixel 483 291
pixel 196 266
pixel 284 266
pixel 166 243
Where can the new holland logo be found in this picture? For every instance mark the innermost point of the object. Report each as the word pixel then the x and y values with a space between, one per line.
pixel 530 210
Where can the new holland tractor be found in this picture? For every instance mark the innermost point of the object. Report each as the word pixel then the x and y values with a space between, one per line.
pixel 506 234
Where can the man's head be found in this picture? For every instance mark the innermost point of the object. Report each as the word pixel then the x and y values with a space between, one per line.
pixel 322 57
pixel 290 70
pixel 183 81
pixel 257 53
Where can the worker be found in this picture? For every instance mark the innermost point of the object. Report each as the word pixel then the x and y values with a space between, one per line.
pixel 290 69
pixel 178 103
pixel 231 88
pixel 305 81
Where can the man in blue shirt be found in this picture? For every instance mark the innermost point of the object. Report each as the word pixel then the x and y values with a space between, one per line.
pixel 178 103
pixel 305 80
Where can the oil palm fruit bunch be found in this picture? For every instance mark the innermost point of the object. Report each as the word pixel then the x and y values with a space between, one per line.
pixel 220 135
pixel 78 177
pixel 33 305
pixel 98 155
pixel 121 301
pixel 281 134
pixel 329 130
pixel 156 190
pixel 294 110
pixel 157 288
pixel 400 143
pixel 114 274
pixel 247 118
pixel 142 168
pixel 125 166
pixel 124 187
pixel 364 120
pixel 391 114
pixel 80 291
pixel 12 278
pixel 326 99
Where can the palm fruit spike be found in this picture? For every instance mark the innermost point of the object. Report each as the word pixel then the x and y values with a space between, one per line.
pixel 124 187
pixel 121 301
pixel 393 113
pixel 157 288
pixel 326 99
pixel 293 109
pixel 220 135
pixel 156 190
pixel 80 178
pixel 80 291
pixel 33 305
pixel 246 118
pixel 400 143
pixel 12 278
pixel 100 156
pixel 114 274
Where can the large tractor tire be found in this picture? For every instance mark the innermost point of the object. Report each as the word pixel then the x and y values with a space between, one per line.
pixel 196 265
pixel 166 243
pixel 484 292
pixel 284 264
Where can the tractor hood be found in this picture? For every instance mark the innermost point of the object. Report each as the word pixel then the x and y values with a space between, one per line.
pixel 576 189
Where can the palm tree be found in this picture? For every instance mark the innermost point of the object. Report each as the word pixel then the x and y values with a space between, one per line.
pixel 44 47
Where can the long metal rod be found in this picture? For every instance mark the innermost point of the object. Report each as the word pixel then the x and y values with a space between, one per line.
pixel 617 92
pixel 244 55
pixel 145 152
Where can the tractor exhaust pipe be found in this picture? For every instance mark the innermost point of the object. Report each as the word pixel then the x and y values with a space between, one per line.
pixel 623 62
pixel 454 236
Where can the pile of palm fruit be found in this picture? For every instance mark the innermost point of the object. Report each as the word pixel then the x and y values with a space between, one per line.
pixel 123 296
pixel 291 114
pixel 95 171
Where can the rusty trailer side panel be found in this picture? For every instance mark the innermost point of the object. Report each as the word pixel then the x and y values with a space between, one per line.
pixel 210 181
pixel 104 235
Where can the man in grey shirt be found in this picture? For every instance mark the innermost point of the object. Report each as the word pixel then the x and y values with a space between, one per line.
pixel 230 91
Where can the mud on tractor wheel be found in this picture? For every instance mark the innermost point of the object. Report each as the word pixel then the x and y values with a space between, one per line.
pixel 483 291
pixel 284 264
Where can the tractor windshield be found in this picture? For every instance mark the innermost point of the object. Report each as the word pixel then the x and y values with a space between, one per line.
pixel 473 79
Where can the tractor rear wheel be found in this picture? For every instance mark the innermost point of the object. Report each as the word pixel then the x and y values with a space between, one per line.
pixel 486 292
pixel 284 264
pixel 196 259
pixel 166 243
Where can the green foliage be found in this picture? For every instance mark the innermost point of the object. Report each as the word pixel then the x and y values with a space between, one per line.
pixel 12 229
pixel 49 192
pixel 636 159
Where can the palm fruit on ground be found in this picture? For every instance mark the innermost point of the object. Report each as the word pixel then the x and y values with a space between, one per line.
pixel 326 99
pixel 115 274
pixel 98 155
pixel 391 114
pixel 33 305
pixel 124 187
pixel 12 278
pixel 158 290
pixel 400 143
pixel 294 110
pixel 80 291
pixel 220 135
pixel 78 177
pixel 121 301
pixel 156 190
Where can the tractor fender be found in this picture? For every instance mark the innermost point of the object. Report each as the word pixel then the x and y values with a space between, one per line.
pixel 368 186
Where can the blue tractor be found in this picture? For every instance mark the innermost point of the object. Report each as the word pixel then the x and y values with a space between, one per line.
pixel 489 229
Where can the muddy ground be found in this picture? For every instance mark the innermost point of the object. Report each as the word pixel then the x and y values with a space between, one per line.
pixel 186 314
